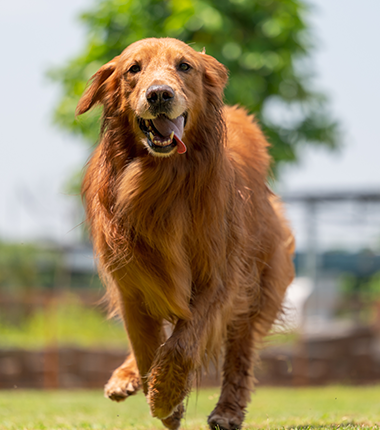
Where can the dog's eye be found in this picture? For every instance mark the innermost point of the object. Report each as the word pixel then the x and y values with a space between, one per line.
pixel 184 67
pixel 134 69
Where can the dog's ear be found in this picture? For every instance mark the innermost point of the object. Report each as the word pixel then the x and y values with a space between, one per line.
pixel 215 78
pixel 96 90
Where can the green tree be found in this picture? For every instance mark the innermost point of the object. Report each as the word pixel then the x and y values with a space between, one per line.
pixel 264 43
pixel 27 266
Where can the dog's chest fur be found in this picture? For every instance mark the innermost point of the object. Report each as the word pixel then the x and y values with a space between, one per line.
pixel 180 237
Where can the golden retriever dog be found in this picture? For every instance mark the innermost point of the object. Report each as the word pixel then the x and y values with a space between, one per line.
pixel 184 226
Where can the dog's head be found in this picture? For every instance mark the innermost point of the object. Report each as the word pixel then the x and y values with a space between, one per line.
pixel 161 87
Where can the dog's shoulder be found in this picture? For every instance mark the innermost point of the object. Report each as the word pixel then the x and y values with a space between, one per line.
pixel 245 141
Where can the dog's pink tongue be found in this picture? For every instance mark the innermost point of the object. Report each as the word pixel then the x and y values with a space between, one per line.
pixel 166 126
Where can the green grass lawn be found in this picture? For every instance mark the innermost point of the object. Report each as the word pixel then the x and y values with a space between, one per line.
pixel 271 408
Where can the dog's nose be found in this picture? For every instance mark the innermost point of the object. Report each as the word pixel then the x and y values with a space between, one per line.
pixel 159 94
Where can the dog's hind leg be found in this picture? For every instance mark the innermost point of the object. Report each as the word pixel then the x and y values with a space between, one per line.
pixel 237 376
pixel 242 335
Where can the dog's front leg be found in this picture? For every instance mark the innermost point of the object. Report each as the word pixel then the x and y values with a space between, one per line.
pixel 174 367
pixel 170 377
pixel 146 334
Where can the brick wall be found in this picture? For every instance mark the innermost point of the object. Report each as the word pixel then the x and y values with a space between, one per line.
pixel 349 358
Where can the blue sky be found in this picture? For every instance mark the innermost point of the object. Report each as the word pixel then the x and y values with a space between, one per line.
pixel 347 66
pixel 36 158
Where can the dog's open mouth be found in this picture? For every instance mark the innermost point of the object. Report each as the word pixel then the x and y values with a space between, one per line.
pixel 163 134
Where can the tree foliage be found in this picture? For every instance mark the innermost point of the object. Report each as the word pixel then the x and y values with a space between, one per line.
pixel 26 266
pixel 265 44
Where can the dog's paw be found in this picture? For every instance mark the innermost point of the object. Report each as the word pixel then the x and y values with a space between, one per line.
pixel 162 402
pixel 174 421
pixel 123 383
pixel 167 390
pixel 169 380
pixel 225 417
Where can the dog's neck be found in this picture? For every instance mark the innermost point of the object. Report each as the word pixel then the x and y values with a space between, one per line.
pixel 136 188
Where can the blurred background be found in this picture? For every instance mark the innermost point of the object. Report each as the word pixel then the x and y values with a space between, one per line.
pixel 309 72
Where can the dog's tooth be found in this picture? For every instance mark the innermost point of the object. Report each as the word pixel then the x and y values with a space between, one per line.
pixel 151 137
pixel 147 123
pixel 172 135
